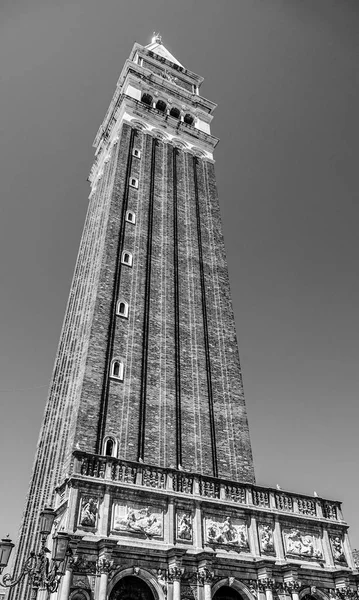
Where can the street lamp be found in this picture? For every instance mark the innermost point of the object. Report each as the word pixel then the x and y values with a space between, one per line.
pixel 6 546
pixel 42 573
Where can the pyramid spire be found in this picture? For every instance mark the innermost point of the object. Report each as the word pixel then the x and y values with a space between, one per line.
pixel 157 47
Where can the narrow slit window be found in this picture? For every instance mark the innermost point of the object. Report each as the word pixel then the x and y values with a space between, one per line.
pixel 127 258
pixel 131 217
pixel 136 153
pixel 122 309
pixel 117 370
pixel 134 182
pixel 109 447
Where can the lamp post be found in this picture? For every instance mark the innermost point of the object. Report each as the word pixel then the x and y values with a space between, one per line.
pixel 41 572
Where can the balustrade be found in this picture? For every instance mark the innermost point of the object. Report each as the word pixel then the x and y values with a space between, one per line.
pixel 127 472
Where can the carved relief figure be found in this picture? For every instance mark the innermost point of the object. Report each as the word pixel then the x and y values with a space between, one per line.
pixel 227 532
pixel 266 538
pixel 301 544
pixel 138 521
pixel 184 526
pixel 88 512
pixel 337 548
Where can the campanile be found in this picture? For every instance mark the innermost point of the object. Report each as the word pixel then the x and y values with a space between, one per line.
pixel 144 449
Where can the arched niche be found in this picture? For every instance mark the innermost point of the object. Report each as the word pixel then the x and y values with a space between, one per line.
pixel 79 594
pixel 236 590
pixel 312 594
pixel 129 586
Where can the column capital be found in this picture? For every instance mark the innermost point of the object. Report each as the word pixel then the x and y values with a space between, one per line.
pixel 174 573
pixel 204 575
pixel 104 565
pixel 292 586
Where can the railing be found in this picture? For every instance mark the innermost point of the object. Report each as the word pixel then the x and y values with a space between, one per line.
pixel 183 482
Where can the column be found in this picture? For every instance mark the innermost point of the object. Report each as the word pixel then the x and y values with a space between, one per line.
pixel 174 576
pixel 66 585
pixel 205 578
pixel 102 592
pixel 103 567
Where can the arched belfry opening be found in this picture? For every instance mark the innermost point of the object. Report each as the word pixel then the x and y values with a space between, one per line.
pixel 227 593
pixel 132 588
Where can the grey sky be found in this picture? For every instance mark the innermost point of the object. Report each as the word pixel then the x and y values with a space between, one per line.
pixel 285 76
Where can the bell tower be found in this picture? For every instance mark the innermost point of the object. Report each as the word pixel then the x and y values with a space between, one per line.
pixel 144 450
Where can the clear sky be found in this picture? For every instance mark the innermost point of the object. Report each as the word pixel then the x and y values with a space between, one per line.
pixel 285 76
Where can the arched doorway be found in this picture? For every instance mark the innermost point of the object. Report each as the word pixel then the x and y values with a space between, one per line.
pixel 227 593
pixel 131 588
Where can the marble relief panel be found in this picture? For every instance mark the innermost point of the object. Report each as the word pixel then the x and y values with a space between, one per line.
pixel 302 544
pixel 336 543
pixel 266 541
pixel 184 526
pixel 137 519
pixel 226 531
pixel 88 513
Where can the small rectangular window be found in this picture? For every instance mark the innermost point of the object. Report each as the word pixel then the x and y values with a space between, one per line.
pixel 134 182
pixel 136 153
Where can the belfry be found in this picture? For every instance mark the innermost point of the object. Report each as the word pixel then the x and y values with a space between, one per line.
pixel 144 451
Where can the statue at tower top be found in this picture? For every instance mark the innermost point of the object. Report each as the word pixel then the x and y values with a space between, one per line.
pixel 156 38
